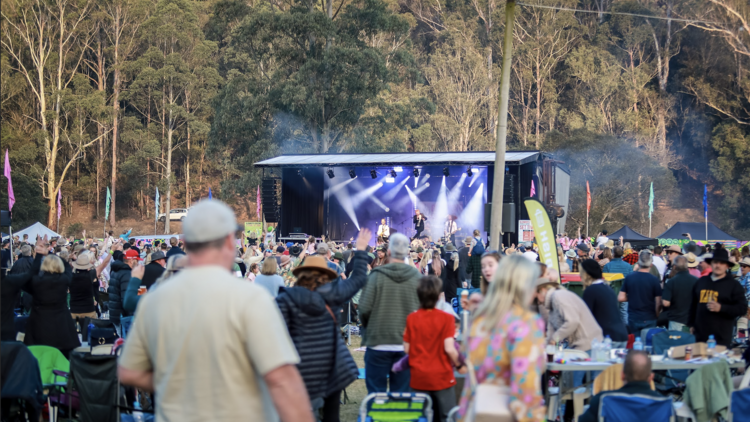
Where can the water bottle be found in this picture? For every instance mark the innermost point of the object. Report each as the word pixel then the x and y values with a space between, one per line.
pixel 607 348
pixel 90 329
pixel 137 414
pixel 638 345
pixel 711 346
pixel 596 348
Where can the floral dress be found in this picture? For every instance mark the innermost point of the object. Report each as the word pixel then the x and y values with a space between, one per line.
pixel 511 355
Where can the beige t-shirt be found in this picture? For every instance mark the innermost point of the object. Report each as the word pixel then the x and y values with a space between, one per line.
pixel 209 338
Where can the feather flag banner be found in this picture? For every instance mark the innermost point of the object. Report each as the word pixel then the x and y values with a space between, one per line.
pixel 6 173
pixel 156 202
pixel 108 201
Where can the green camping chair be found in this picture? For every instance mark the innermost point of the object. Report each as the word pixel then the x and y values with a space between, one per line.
pixel 575 287
pixel 52 364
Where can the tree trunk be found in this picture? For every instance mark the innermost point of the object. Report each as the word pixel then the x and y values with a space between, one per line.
pixel 115 118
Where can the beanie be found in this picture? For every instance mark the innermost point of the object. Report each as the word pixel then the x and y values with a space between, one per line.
pixel 592 268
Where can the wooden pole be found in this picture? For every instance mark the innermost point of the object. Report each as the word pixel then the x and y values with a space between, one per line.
pixel 496 222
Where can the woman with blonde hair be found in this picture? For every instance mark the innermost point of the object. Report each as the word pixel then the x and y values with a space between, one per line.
pixel 425 262
pixel 268 277
pixel 506 341
pixel 562 259
pixel 49 323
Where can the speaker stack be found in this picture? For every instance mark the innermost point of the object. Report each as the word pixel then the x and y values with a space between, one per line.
pixel 271 199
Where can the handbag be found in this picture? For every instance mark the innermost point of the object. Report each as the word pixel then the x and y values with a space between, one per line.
pixel 490 402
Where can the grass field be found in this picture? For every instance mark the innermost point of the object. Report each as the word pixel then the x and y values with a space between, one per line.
pixel 357 391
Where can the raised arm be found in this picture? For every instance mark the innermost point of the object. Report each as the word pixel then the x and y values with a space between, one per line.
pixel 343 290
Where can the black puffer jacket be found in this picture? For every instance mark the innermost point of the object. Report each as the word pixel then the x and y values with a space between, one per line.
pixel 22 265
pixel 118 284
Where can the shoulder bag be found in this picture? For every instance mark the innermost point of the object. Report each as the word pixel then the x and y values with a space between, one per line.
pixel 490 402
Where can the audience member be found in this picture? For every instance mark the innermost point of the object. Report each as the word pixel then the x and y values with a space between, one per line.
pixel 643 292
pixel 678 293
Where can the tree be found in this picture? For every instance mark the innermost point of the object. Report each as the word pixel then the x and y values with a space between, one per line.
pixel 46 41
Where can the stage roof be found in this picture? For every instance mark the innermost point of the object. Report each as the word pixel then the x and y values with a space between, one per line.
pixel 399 158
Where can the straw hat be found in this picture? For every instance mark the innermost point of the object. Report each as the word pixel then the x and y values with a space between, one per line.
pixel 315 262
pixel 692 260
pixel 83 262
pixel 674 248
pixel 544 282
pixel 745 262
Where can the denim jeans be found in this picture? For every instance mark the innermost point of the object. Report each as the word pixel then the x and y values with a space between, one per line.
pixel 624 312
pixel 635 327
pixel 127 322
pixel 378 365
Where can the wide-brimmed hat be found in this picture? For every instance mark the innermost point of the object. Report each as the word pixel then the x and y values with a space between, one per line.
pixel 570 253
pixel 706 257
pixel 674 248
pixel 339 256
pixel 721 255
pixel 692 260
pixel 468 241
pixel 745 262
pixel 315 262
pixel 543 282
pixel 285 259
pixel 157 256
pixel 83 262
pixel 295 250
pixel 449 247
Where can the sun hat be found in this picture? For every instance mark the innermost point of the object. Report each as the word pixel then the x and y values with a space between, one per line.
pixel 339 256
pixel 285 259
pixel 570 253
pixel 209 220
pixel 542 282
pixel 692 260
pixel 157 256
pixel 315 262
pixel 83 262
pixel 133 254
pixel 674 248
pixel 449 247
pixel 721 255
pixel 745 262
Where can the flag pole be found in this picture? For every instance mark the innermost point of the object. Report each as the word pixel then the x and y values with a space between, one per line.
pixel 649 225
pixel 587 224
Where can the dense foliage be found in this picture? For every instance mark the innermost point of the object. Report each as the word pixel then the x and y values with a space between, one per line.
pixel 184 95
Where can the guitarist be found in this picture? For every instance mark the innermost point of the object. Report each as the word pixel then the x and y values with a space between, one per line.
pixel 450 229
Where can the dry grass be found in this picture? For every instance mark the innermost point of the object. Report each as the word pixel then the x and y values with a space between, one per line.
pixel 357 391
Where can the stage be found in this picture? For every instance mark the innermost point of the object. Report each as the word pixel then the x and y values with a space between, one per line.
pixel 338 194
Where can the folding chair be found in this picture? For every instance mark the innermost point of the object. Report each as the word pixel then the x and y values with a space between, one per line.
pixel 53 366
pixel 94 377
pixel 739 405
pixel 402 407
pixel 577 396
pixel 663 341
pixel 619 407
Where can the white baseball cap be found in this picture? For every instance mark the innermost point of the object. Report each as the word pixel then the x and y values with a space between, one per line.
pixel 209 220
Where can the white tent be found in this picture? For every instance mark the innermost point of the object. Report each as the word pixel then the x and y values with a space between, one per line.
pixel 34 230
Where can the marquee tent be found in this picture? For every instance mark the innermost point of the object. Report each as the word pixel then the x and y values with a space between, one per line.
pixel 636 239
pixel 34 230
pixel 674 235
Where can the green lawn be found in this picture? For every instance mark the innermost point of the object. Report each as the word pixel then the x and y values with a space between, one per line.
pixel 357 390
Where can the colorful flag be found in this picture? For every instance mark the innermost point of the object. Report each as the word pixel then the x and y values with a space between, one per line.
pixel 651 201
pixel 59 207
pixel 705 201
pixel 6 173
pixel 544 233
pixel 257 201
pixel 156 202
pixel 588 197
pixel 108 200
pixel 210 196
pixel 533 191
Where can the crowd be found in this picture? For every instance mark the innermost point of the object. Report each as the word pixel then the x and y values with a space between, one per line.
pixel 227 330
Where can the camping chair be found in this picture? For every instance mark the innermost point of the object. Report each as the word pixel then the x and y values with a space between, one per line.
pixel 671 381
pixel 618 407
pixel 94 377
pixel 575 287
pixel 647 335
pixel 577 396
pixel 54 368
pixel 403 407
pixel 22 397
pixel 740 400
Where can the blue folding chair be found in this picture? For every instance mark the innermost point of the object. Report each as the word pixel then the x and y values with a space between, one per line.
pixel 401 407
pixel 619 407
pixel 662 342
pixel 740 407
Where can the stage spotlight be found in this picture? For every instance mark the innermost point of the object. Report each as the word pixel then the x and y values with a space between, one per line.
pixel 446 171
pixel 399 169
pixel 393 174
pixel 416 172
pixel 300 173
pixel 352 173
pixel 469 172
pixel 330 173
pixel 374 174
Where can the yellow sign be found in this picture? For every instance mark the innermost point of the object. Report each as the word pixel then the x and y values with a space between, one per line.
pixel 544 232
pixel 256 228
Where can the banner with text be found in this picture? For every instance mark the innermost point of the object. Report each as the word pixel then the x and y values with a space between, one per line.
pixel 545 234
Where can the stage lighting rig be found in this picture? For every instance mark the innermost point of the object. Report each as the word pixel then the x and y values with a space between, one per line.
pixel 374 174
pixel 446 171
pixel 416 172
pixel 352 173
pixel 469 172
pixel 393 174
pixel 330 174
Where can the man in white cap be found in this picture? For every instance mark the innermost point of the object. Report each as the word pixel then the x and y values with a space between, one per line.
pixel 210 345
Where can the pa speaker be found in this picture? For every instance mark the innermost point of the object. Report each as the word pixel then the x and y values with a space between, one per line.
pixel 509 218
pixel 5 218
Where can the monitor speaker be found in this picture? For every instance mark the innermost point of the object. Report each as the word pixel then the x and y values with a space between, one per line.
pixel 509 218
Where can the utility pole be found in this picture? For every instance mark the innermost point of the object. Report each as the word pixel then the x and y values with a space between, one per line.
pixel 496 222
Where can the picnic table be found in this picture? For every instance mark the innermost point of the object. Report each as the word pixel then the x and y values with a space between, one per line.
pixel 659 365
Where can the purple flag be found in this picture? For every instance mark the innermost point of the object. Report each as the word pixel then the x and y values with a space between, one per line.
pixel 6 173
pixel 533 191
pixel 257 201
pixel 59 207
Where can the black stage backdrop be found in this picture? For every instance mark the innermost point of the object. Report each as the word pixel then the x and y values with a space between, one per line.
pixel 302 201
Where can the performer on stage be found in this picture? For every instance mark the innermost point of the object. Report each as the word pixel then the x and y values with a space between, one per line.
pixel 383 230
pixel 450 229
pixel 419 220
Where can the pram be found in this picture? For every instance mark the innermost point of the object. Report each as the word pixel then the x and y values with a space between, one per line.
pixel 402 407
